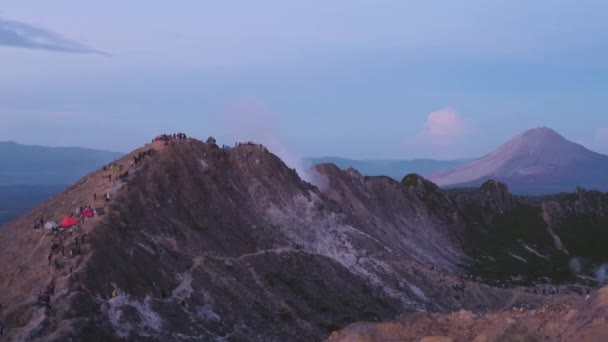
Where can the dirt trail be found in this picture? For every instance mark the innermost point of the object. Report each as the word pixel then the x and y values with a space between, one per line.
pixel 29 273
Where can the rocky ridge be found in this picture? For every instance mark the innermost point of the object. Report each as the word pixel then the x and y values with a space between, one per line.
pixel 200 242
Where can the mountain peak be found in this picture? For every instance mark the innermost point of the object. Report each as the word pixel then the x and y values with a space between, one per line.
pixel 541 130
pixel 538 158
pixel 186 240
pixel 541 142
pixel 541 134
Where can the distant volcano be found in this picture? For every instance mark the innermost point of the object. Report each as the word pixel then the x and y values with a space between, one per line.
pixel 194 242
pixel 537 161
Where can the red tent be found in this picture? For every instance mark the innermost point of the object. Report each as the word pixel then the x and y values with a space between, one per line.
pixel 68 221
pixel 88 212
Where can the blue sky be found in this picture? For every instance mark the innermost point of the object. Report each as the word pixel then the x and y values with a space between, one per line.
pixel 361 79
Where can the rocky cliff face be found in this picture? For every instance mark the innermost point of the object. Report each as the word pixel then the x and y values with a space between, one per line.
pixel 414 221
pixel 200 243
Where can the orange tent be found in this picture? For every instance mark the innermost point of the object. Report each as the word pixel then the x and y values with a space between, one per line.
pixel 68 221
pixel 88 212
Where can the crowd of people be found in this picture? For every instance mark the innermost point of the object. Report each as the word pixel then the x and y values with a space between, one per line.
pixel 64 248
pixel 67 241
pixel 170 137
pixel 141 155
pixel 248 143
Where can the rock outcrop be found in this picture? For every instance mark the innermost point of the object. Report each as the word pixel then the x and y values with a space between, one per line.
pixel 202 243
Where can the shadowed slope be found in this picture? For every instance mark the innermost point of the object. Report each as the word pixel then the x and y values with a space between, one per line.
pixel 201 243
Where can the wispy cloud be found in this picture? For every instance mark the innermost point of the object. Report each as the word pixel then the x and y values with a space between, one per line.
pixel 17 34
pixel 443 126
pixel 443 135
pixel 445 122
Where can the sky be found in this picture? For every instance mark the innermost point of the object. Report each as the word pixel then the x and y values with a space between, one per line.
pixel 357 79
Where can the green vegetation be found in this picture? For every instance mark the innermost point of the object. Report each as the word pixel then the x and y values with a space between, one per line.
pixel 490 183
pixel 411 180
pixel 498 247
pixel 586 235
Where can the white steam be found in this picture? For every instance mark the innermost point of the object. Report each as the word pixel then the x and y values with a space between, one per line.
pixel 601 274
pixel 296 162
pixel 251 120
pixel 576 266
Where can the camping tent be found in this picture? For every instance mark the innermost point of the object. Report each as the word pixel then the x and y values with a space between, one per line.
pixel 51 225
pixel 88 212
pixel 115 167
pixel 68 221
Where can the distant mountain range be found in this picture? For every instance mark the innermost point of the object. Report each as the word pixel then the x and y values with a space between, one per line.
pixel 537 161
pixel 30 175
pixel 200 243
pixel 394 168
pixel 25 164
pixel 15 200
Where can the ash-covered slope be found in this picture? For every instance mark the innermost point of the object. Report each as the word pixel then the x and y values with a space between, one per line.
pixel 399 216
pixel 537 161
pixel 200 243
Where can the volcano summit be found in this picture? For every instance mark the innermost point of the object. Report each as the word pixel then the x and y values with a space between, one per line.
pixel 537 161
pixel 192 242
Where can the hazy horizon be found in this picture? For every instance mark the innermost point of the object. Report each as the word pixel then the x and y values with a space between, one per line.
pixel 284 152
pixel 356 79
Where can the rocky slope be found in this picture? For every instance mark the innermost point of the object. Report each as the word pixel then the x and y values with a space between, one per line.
pixel 537 161
pixel 200 243
pixel 560 320
pixel 394 168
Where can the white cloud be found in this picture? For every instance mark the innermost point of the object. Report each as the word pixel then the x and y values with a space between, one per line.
pixel 443 135
pixel 250 119
pixel 445 123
